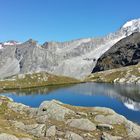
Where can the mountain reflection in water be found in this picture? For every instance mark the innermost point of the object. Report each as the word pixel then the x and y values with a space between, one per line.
pixel 124 99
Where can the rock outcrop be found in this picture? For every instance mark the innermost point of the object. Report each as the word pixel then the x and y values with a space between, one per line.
pixel 76 123
pixel 75 58
pixel 124 53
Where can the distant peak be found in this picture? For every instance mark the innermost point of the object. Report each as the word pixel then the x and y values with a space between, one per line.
pixel 10 43
pixel 130 23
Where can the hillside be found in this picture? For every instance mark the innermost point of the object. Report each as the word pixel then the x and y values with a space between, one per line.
pixel 34 80
pixel 129 74
pixel 124 53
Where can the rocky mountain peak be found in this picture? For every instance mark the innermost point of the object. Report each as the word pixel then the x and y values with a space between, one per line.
pixel 75 58
pixel 134 22
pixel 131 27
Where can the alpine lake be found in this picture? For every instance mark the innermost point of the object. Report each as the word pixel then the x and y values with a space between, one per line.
pixel 123 99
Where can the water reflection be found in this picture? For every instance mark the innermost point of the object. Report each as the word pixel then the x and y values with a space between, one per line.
pixel 129 95
pixel 124 99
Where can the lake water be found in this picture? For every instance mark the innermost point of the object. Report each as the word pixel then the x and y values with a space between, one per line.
pixel 124 99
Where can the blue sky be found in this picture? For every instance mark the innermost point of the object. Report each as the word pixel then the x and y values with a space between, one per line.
pixel 61 20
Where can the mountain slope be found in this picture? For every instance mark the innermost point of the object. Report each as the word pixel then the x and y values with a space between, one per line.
pixel 124 53
pixel 129 74
pixel 75 58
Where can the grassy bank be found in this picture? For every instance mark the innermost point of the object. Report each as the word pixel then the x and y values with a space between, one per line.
pixel 24 81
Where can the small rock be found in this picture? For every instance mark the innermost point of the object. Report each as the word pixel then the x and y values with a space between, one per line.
pixel 51 131
pixel 83 124
pixel 81 113
pixel 106 136
pixel 73 136
pixel 87 135
pixel 104 126
pixel 25 139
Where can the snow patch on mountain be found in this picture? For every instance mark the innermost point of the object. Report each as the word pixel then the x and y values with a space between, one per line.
pixel 131 23
pixel 1 46
pixel 11 43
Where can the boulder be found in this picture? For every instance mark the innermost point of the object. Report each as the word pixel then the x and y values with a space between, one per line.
pixel 73 136
pixel 34 129
pixel 110 119
pixel 51 131
pixel 4 136
pixel 83 124
pixel 106 136
pixel 54 110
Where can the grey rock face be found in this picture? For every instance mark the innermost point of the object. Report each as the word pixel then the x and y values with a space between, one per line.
pixel 83 124
pixel 74 58
pixel 124 53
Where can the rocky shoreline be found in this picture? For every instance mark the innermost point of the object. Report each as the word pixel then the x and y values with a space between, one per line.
pixel 54 120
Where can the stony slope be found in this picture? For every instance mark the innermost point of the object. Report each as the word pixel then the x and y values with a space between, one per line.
pixel 54 120
pixel 129 74
pixel 124 53
pixel 75 58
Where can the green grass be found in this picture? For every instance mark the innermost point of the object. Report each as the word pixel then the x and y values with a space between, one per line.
pixel 35 80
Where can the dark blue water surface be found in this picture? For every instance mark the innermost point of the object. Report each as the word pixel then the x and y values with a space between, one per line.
pixel 124 99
